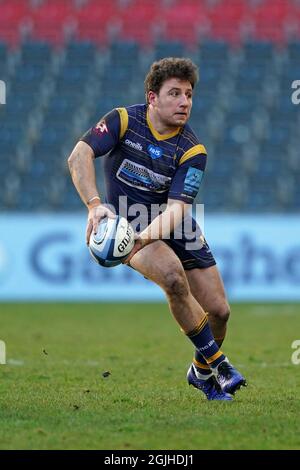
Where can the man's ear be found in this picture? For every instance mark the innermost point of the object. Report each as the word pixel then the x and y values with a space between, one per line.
pixel 151 97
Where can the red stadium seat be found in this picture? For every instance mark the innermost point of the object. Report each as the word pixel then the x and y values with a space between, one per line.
pixel 12 15
pixel 226 18
pixel 184 26
pixel 49 18
pixel 92 33
pixel 145 21
pixel 138 21
pixel 269 19
pixel 93 21
pixel 95 11
pixel 53 11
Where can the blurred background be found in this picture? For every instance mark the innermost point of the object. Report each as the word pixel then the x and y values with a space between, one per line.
pixel 65 63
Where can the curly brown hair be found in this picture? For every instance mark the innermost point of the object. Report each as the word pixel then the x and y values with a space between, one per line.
pixel 170 67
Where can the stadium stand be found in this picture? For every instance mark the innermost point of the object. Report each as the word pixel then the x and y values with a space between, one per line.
pixel 68 62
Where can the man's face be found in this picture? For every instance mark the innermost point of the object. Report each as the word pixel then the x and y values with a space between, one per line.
pixel 173 103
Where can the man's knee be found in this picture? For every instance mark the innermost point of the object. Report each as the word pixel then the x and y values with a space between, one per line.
pixel 220 311
pixel 175 284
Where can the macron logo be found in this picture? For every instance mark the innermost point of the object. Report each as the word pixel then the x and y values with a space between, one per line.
pixel 134 145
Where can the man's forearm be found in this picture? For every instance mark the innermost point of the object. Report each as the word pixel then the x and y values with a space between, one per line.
pixel 164 224
pixel 82 169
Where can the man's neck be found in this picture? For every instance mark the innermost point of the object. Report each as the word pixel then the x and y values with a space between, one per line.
pixel 158 125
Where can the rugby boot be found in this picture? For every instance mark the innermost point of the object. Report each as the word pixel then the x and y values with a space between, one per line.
pixel 229 379
pixel 209 387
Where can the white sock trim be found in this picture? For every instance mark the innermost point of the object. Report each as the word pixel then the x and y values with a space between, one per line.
pixel 201 376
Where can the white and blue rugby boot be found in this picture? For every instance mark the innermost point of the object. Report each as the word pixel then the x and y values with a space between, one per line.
pixel 229 379
pixel 209 387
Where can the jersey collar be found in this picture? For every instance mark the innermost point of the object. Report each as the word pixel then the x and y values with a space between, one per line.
pixel 156 134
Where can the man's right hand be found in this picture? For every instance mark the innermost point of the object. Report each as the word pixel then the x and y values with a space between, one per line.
pixel 96 214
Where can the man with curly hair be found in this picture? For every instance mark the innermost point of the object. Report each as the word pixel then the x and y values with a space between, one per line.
pixel 152 157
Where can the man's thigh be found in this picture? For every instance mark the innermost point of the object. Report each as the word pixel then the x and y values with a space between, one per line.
pixel 155 261
pixel 207 287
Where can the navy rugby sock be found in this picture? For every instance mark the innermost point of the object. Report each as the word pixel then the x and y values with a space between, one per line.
pixel 200 363
pixel 205 344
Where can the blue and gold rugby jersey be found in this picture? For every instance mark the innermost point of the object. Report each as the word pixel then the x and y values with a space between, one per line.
pixel 142 164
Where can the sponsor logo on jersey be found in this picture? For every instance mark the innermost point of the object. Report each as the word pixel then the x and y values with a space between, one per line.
pixel 101 127
pixel 154 152
pixel 192 181
pixel 134 145
pixel 143 178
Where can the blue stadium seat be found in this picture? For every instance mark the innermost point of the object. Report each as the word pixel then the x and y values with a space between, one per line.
pixel 169 49
pixel 293 49
pixel 27 79
pixel 244 103
pixel 18 107
pixel 214 51
pixel 250 78
pixel 209 76
pixel 279 132
pixel 124 52
pixel 3 57
pixel 258 51
pixel 36 52
pixel 10 133
pixel 80 53
pixel 61 105
pixel 54 133
pixel 203 103
pixel 261 197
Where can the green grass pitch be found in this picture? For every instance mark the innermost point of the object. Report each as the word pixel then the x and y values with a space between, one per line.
pixel 53 394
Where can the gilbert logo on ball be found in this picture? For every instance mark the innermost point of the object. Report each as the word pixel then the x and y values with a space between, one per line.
pixel 113 241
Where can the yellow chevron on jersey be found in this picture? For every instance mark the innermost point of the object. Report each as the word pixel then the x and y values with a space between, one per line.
pixel 124 120
pixel 192 152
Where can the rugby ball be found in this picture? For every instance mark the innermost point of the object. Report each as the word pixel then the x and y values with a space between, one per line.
pixel 113 241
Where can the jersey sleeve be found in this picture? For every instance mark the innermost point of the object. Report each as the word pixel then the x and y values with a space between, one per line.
pixel 188 176
pixel 105 135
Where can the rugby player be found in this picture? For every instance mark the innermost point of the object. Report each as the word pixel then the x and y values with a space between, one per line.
pixel 153 157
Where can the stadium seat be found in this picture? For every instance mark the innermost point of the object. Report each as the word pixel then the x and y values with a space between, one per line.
pixel 3 55
pixel 258 51
pixel 82 53
pixel 293 49
pixel 36 52
pixel 213 51
pixel 169 49
pixel 183 24
pixel 225 19
pixel 92 21
pixel 139 21
pixel 13 14
pixel 269 18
